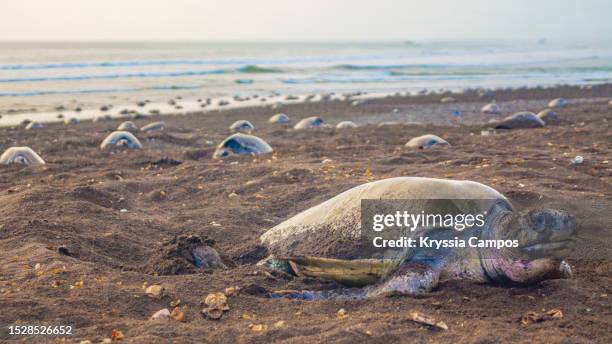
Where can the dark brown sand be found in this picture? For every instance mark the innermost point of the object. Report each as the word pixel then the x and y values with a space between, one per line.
pixel 75 202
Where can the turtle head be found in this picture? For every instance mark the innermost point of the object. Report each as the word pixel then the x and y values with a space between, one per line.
pixel 544 233
pixel 544 237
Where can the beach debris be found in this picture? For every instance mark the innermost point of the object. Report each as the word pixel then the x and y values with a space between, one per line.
pixel 279 118
pixel 117 335
pixel 491 109
pixel 20 155
pixel 280 324
pixel 231 291
pixel 309 123
pixel 162 314
pixel 127 126
pixel 258 327
pixel 155 291
pixel 34 125
pixel 426 320
pixel 346 124
pixel 520 120
pixel 426 141
pixel 557 103
pixel 177 314
pixel 579 159
pixel 239 144
pixel 216 304
pixel 548 115
pixel 534 317
pixel 155 126
pixel 242 126
pixel 342 314
pixel 121 139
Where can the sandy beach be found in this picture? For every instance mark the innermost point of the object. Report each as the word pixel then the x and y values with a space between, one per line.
pixel 82 236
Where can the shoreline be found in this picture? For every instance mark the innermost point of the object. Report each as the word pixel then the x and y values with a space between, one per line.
pixel 277 102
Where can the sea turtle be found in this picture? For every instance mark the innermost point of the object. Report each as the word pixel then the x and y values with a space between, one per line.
pixel 122 139
pixel 242 126
pixel 20 155
pixel 426 141
pixel 34 125
pixel 558 102
pixel 346 124
pixel 520 120
pixel 71 121
pixel 548 116
pixel 279 118
pixel 309 123
pixel 239 144
pixel 447 100
pixel 127 126
pixel 155 126
pixel 325 241
pixel 491 109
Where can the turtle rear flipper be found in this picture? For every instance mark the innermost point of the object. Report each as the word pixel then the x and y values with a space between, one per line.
pixel 353 273
pixel 408 279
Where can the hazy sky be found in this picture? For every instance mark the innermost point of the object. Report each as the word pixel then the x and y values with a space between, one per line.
pixel 304 19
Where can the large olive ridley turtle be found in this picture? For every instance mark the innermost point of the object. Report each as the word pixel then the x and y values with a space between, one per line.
pixel 520 120
pixel 20 155
pixel 242 126
pixel 239 144
pixel 426 141
pixel 121 139
pixel 325 241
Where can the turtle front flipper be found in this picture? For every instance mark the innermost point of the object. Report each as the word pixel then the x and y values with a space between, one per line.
pixel 409 279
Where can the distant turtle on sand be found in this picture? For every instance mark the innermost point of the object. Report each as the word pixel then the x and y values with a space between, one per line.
pixel 70 121
pixel 242 126
pixel 279 118
pixel 20 155
pixel 239 144
pixel 121 139
pixel 155 126
pixel 610 104
pixel 548 116
pixel 127 126
pixel 346 124
pixel 309 123
pixel 325 242
pixel 388 123
pixel 34 125
pixel 491 109
pixel 520 120
pixel 447 100
pixel 558 102
pixel 426 141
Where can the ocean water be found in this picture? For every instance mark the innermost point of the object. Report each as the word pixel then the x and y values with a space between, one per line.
pixel 225 69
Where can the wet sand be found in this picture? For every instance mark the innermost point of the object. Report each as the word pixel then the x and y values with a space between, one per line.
pixel 172 188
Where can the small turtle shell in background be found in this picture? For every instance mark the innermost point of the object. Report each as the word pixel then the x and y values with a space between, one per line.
pixel 242 126
pixel 426 141
pixel 20 155
pixel 309 123
pixel 122 139
pixel 239 144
